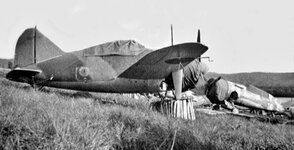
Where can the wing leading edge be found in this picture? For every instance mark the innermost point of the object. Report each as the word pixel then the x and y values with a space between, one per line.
pixel 160 63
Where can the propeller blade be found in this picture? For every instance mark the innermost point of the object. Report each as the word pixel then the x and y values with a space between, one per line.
pixel 178 80
pixel 198 37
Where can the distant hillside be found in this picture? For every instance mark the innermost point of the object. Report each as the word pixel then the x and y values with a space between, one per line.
pixel 4 63
pixel 278 84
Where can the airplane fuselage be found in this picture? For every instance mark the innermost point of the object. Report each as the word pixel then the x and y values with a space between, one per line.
pixel 93 73
pixel 123 66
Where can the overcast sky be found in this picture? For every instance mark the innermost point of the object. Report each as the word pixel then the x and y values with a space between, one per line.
pixel 242 36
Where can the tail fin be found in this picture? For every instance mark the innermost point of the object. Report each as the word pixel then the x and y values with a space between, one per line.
pixel 32 47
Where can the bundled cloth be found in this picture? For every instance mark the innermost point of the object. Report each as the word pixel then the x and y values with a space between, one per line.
pixel 219 91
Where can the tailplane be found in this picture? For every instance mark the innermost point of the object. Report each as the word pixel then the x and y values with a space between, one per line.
pixel 32 47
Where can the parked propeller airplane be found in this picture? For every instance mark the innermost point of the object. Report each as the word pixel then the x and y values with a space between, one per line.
pixel 123 66
pixel 116 67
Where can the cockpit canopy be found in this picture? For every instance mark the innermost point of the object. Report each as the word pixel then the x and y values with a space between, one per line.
pixel 121 47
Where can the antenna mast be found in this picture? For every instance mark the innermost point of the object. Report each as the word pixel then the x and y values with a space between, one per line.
pixel 199 41
pixel 35 45
pixel 172 34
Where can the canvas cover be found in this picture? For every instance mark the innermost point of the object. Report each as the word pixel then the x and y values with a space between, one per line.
pixel 121 47
pixel 218 91
pixel 249 96
pixel 192 72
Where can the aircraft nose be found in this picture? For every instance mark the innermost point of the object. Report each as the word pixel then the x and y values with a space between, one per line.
pixel 291 111
pixel 203 68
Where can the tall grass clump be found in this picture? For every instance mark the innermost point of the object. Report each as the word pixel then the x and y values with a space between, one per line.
pixel 64 119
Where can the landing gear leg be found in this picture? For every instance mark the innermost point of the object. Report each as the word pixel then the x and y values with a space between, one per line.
pixel 35 85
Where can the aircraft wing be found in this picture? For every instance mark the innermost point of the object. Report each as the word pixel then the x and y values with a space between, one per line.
pixel 18 74
pixel 160 63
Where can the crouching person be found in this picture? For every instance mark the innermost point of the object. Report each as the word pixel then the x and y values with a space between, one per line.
pixel 230 102
pixel 219 95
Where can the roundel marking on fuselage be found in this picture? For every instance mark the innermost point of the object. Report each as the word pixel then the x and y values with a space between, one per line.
pixel 84 71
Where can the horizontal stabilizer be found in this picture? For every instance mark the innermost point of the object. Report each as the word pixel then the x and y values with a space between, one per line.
pixel 20 74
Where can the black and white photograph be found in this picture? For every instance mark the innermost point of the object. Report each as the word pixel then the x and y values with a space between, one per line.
pixel 146 75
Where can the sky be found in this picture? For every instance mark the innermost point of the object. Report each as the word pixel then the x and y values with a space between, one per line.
pixel 242 36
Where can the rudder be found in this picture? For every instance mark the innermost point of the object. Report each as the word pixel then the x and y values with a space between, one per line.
pixel 32 47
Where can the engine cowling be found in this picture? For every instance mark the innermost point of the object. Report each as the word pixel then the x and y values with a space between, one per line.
pixel 191 74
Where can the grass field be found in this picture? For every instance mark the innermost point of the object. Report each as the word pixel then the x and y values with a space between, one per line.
pixel 64 119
